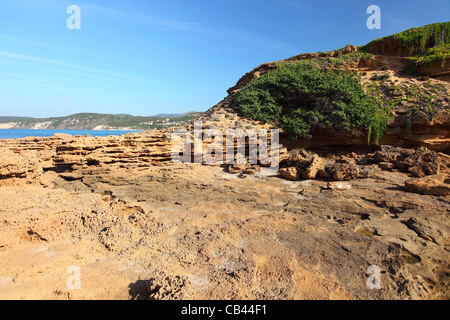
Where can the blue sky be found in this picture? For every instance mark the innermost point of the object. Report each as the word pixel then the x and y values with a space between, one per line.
pixel 145 57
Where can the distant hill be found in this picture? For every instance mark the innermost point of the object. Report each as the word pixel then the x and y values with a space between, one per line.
pixel 98 121
pixel 166 115
pixel 3 119
pixel 175 115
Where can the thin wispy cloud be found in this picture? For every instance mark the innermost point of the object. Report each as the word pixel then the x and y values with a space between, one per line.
pixel 37 44
pixel 147 19
pixel 43 78
pixel 165 21
pixel 23 57
pixel 44 86
pixel 86 76
pixel 228 33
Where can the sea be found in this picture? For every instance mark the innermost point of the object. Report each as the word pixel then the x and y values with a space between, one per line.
pixel 23 133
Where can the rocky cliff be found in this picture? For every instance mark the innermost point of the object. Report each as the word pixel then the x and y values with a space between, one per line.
pixel 395 73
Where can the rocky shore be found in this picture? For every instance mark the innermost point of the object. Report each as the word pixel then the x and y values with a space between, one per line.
pixel 117 218
pixel 139 226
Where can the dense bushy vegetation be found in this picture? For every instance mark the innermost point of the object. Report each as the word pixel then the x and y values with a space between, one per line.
pixel 418 39
pixel 306 95
pixel 303 97
pixel 428 57
pixel 431 41
pixel 426 45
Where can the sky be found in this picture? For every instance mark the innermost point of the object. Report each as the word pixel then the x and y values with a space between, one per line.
pixel 145 57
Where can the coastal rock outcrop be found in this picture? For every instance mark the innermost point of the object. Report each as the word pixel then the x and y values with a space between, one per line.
pixel 140 225
pixel 306 164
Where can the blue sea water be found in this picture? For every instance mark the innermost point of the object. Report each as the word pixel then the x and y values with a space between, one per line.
pixel 23 133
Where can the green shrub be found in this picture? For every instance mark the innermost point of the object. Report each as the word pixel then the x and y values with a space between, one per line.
pixel 295 124
pixel 259 104
pixel 417 39
pixel 303 97
pixel 377 77
pixel 426 58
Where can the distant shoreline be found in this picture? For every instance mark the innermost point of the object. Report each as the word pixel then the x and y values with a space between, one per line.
pixel 97 121
pixel 7 126
pixel 12 133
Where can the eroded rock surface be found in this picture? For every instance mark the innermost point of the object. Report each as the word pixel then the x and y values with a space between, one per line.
pixel 141 227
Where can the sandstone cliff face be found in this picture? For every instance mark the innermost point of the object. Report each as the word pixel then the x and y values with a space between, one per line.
pixel 152 148
pixel 62 152
pixel 420 117
pixel 419 103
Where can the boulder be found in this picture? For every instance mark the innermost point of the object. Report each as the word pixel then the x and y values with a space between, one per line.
pixel 300 158
pixel 388 153
pixel 423 162
pixel 420 163
pixel 239 165
pixel 317 163
pixel 388 166
pixel 290 173
pixel 236 168
pixel 367 171
pixel 71 176
pixel 251 170
pixel 438 185
pixel 343 170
